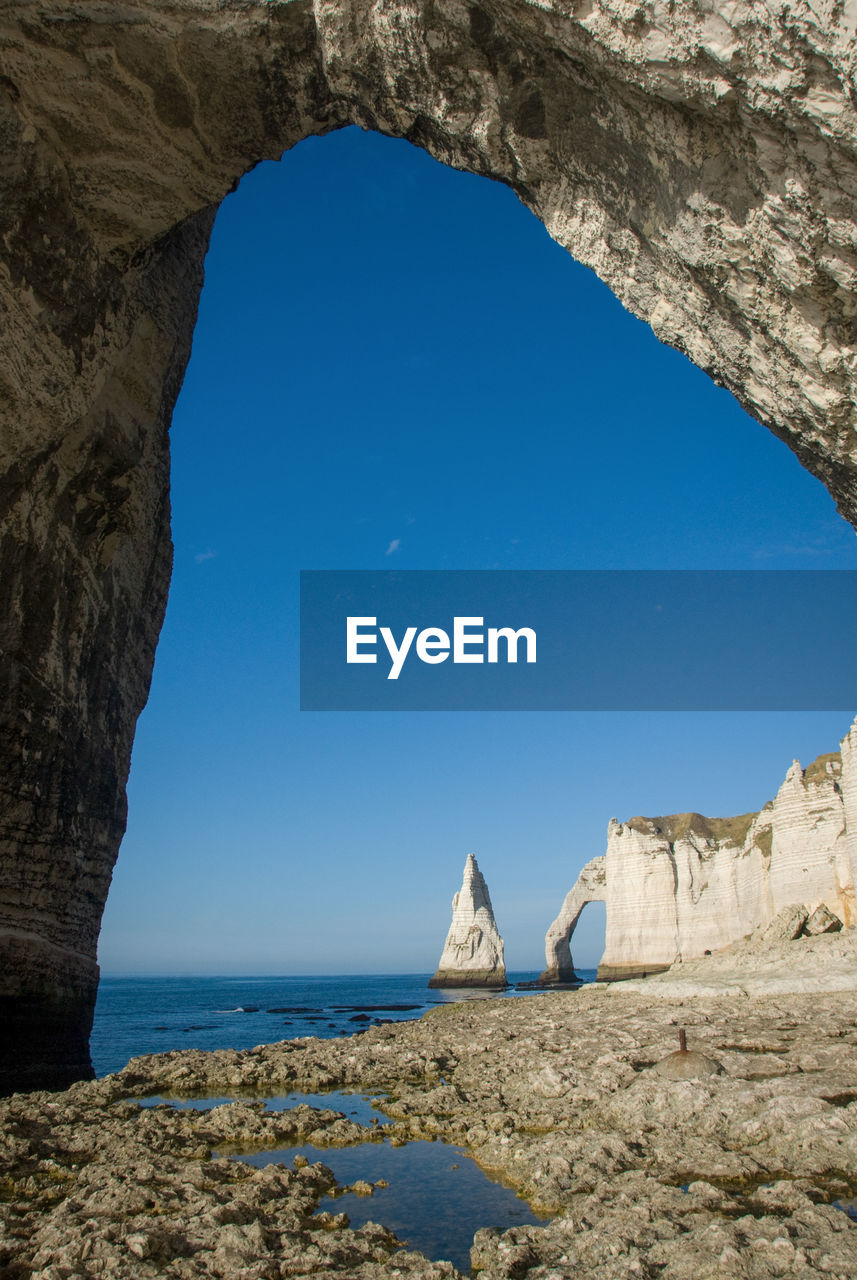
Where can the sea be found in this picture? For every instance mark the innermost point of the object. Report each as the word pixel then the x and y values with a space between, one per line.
pixel 137 1015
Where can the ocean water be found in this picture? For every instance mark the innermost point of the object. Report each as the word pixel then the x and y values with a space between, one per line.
pixel 152 1015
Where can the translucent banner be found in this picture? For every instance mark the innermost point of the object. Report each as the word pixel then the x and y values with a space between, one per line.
pixel 579 640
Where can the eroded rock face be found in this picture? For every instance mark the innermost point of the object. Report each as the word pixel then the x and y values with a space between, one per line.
pixel 776 960
pixel 473 951
pixel 700 158
pixel 684 886
pixel 590 886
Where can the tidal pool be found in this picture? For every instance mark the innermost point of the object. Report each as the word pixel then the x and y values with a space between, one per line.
pixel 847 1206
pixel 357 1106
pixel 437 1197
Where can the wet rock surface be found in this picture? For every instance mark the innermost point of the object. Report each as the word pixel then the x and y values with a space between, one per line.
pixel 731 1175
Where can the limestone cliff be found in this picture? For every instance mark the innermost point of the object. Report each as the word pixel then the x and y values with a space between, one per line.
pixel 701 158
pixel 473 951
pixel 681 886
pixel 590 886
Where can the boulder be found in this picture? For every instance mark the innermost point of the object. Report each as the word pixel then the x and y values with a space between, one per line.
pixel 822 921
pixel 787 925
pixel 687 1064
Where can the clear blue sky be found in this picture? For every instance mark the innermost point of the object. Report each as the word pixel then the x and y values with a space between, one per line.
pixel 395 367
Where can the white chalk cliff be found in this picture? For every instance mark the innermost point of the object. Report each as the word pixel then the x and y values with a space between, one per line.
pixel 473 951
pixel 682 886
pixel 590 886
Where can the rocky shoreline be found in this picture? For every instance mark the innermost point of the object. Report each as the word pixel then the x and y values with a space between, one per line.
pixel 731 1175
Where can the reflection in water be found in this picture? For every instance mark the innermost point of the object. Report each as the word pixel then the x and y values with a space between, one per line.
pixel 847 1206
pixel 437 1197
pixel 356 1106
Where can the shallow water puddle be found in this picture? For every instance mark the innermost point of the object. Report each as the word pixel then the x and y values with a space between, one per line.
pixel 356 1106
pixel 436 1199
pixel 181 1104
pixel 847 1206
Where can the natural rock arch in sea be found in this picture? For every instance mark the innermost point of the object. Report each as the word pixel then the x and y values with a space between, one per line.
pixel 700 158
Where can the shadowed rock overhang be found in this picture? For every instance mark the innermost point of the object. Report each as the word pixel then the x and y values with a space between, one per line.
pixel 700 159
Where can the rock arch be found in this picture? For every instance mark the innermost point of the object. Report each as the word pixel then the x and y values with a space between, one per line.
pixel 700 158
pixel 590 886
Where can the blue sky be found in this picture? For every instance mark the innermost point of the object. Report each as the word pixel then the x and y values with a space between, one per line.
pixel 395 367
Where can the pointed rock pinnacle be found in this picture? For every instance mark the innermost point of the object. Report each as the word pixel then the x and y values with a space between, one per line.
pixel 473 952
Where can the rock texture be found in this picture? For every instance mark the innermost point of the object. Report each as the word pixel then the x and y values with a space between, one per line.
pixel 473 951
pixel 590 886
pixel 773 961
pixel 728 1176
pixel 821 921
pixel 683 886
pixel 700 157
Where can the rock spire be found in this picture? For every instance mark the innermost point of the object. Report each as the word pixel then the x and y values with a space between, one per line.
pixel 473 951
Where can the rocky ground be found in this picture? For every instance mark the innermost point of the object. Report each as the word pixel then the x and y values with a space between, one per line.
pixel 776 960
pixel 733 1174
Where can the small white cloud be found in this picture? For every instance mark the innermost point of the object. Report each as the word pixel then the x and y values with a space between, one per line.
pixel 394 546
pixel 202 556
pixel 798 550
